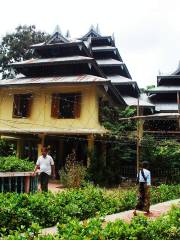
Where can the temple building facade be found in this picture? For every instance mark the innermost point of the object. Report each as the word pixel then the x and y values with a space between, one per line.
pixel 166 99
pixel 55 99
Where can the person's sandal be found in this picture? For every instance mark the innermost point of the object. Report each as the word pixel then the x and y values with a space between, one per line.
pixel 134 213
pixel 148 213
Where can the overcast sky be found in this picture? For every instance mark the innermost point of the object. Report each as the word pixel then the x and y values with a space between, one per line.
pixel 146 31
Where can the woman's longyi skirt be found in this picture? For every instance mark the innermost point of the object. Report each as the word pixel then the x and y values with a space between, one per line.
pixel 143 203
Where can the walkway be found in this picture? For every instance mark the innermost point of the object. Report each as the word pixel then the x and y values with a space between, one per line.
pixel 156 211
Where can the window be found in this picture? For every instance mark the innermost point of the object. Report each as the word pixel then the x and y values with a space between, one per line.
pixel 22 105
pixel 66 105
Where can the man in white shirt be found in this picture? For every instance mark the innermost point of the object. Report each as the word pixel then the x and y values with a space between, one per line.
pixel 144 179
pixel 45 164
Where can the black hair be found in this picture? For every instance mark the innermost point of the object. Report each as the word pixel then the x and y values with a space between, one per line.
pixel 45 149
pixel 145 164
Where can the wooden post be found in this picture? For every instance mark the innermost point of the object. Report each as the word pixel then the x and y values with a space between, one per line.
pixel 178 103
pixel 140 124
pixel 138 140
pixel 104 153
pixel 27 184
pixel 90 148
pixel 41 144
pixel 60 154
pixel 19 148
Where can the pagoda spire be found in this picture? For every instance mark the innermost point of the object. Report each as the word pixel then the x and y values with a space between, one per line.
pixel 57 30
pixel 57 36
pixel 113 37
pixel 97 29
pixel 92 28
pixel 68 35
pixel 92 32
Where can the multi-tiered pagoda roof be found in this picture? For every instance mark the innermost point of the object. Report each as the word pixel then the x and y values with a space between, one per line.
pixel 92 58
pixel 108 58
pixel 165 95
pixel 61 61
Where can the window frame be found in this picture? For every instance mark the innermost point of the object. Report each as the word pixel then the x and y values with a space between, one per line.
pixel 16 113
pixel 55 105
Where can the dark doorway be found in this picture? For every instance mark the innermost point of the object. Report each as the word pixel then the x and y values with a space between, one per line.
pixel 61 147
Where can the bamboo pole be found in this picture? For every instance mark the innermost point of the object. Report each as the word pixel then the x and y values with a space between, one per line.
pixel 138 138
pixel 178 103
pixel 90 148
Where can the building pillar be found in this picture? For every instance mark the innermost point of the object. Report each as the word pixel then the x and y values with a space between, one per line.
pixel 90 148
pixel 19 148
pixel 27 184
pixel 41 143
pixel 60 154
pixel 104 153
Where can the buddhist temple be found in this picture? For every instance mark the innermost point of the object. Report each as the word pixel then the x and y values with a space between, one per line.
pixel 165 97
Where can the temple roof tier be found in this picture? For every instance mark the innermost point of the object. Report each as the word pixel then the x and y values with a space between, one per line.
pixel 53 80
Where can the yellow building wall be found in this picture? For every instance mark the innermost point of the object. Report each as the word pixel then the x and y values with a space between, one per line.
pixel 41 120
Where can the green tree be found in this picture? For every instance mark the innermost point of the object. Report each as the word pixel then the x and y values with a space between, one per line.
pixel 111 120
pixel 167 154
pixel 162 154
pixel 15 47
pixel 6 148
pixel 120 146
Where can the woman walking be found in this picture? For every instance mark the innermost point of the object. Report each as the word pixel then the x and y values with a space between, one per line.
pixel 144 180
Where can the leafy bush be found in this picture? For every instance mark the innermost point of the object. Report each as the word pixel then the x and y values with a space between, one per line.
pixel 161 154
pixel 73 174
pixel 47 209
pixel 167 154
pixel 165 228
pixel 14 164
pixel 120 146
pixel 6 148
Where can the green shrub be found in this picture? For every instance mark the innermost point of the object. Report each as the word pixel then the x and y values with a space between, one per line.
pixel 14 164
pixel 7 148
pixel 74 173
pixel 47 209
pixel 165 228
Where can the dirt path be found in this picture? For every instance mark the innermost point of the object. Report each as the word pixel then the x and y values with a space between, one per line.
pixel 156 211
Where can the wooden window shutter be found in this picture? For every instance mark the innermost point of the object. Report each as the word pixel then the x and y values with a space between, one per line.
pixel 29 105
pixel 55 106
pixel 16 105
pixel 77 105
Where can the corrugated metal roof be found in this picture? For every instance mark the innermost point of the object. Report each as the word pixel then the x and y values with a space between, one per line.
pixel 44 45
pixel 132 101
pixel 166 106
pixel 157 116
pixel 103 48
pixel 54 80
pixel 169 76
pixel 120 79
pixel 52 60
pixel 54 131
pixel 109 61
pixel 164 89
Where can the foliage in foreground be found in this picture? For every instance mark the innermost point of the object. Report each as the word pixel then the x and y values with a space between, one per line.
pixel 47 209
pixel 166 227
pixel 14 164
